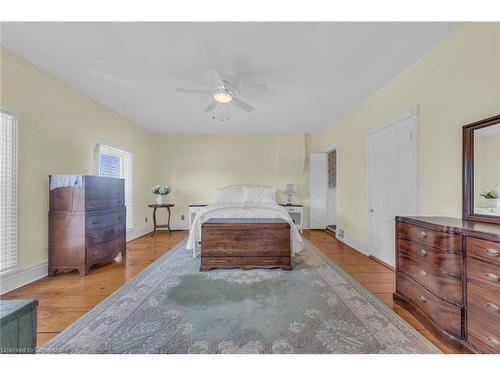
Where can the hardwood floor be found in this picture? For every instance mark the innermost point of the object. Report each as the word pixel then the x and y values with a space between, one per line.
pixel 65 298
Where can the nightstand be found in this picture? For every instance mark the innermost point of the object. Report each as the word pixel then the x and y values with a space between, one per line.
pixel 295 211
pixel 193 210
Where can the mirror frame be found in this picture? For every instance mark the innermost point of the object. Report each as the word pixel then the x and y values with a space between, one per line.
pixel 468 171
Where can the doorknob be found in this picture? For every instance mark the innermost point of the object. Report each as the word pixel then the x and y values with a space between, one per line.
pixel 371 210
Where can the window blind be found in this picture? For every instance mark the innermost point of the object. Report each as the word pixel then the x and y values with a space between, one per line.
pixel 114 162
pixel 8 191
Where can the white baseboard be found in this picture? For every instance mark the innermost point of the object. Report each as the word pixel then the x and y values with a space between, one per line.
pixel 21 276
pixel 138 232
pixel 361 246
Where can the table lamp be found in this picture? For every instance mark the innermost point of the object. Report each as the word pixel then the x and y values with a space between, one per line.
pixel 289 193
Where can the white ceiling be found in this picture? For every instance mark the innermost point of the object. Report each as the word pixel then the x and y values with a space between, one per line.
pixel 315 72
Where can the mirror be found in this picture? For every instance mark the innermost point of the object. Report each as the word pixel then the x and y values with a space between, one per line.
pixel 482 170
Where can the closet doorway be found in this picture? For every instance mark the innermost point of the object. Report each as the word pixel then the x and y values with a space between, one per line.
pixel 393 183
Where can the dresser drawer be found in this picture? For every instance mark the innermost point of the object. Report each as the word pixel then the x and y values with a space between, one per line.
pixel 104 199
pixel 445 261
pixel 105 250
pixel 483 333
pixel 103 183
pixel 447 286
pixel 484 274
pixel 482 249
pixel 444 314
pixel 484 300
pixel 441 240
pixel 106 234
pixel 102 219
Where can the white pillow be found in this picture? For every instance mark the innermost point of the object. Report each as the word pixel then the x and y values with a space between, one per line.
pixel 229 194
pixel 259 194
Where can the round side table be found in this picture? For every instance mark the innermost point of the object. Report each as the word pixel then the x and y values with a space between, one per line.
pixel 155 226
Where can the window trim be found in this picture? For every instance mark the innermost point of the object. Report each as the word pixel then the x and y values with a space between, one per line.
pixel 17 116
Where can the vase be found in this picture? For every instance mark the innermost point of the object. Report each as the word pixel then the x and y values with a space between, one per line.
pixel 493 203
pixel 161 199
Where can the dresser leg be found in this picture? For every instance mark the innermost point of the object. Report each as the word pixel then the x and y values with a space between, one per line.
pixel 83 271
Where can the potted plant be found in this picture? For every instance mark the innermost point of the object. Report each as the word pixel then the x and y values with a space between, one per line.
pixel 161 192
pixel 492 197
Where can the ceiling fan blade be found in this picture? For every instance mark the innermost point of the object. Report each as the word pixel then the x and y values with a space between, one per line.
pixel 211 106
pixel 241 104
pixel 257 87
pixel 218 80
pixel 196 91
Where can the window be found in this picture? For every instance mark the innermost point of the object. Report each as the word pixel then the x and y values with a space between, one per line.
pixel 8 191
pixel 114 162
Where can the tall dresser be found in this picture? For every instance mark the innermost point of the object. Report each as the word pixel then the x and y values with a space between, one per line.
pixel 448 274
pixel 86 224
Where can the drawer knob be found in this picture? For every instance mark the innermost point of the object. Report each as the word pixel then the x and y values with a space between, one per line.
pixel 423 273
pixel 494 342
pixel 492 277
pixel 492 252
pixel 423 253
pixel 422 299
pixel 493 307
pixel 422 234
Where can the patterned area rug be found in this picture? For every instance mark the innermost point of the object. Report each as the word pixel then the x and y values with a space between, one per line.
pixel 171 307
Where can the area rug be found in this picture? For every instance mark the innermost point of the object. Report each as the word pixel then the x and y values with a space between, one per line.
pixel 171 307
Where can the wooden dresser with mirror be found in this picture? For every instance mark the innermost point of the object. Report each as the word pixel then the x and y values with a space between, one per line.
pixel 448 269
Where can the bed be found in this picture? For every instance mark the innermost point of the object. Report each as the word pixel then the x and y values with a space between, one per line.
pixel 242 202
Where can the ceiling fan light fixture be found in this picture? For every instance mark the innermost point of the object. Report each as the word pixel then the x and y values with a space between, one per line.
pixel 223 97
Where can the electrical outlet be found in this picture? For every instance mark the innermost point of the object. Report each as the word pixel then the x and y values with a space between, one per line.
pixel 182 217
pixel 145 219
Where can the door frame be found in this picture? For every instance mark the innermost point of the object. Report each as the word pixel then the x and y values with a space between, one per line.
pixel 327 149
pixel 413 111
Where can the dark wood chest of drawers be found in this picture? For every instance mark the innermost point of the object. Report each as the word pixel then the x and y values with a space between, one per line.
pixel 86 224
pixel 448 274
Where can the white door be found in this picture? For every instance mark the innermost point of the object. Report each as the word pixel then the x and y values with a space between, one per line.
pixel 392 181
pixel 318 189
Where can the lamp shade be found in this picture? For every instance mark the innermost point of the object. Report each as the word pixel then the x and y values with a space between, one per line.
pixel 289 189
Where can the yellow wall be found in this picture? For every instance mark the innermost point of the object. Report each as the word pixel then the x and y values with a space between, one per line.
pixel 58 130
pixel 194 164
pixel 456 83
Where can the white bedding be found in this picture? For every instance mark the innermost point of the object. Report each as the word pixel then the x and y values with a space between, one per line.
pixel 241 211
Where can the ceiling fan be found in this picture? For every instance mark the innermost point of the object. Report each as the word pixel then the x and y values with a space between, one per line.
pixel 227 90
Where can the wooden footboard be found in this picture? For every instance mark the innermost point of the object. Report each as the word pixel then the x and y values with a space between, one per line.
pixel 245 243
